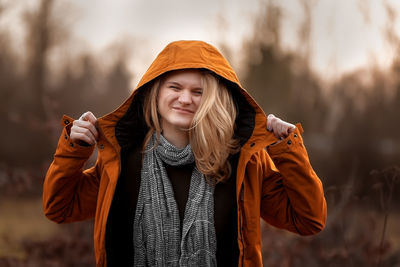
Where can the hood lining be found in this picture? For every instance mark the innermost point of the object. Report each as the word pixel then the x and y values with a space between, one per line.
pixel 131 129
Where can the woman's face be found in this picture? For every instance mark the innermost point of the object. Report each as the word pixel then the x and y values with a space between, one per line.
pixel 179 98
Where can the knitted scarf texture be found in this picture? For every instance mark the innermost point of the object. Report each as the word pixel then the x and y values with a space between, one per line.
pixel 158 240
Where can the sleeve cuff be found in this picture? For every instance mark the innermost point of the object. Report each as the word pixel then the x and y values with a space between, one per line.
pixel 66 145
pixel 291 142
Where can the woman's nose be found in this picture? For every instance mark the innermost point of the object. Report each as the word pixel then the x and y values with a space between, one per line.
pixel 185 97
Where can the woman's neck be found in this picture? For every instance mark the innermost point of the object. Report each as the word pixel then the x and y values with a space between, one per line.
pixel 177 137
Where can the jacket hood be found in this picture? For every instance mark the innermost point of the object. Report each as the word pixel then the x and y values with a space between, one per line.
pixel 126 123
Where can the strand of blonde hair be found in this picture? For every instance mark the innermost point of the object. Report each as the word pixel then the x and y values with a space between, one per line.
pixel 212 131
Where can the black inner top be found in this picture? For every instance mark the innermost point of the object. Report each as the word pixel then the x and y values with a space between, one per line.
pixel 119 231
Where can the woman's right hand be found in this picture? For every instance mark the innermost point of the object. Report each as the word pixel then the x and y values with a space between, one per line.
pixel 84 129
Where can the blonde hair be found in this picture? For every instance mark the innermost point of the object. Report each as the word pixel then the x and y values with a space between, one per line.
pixel 211 134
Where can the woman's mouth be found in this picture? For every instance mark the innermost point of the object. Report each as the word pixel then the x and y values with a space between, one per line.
pixel 183 110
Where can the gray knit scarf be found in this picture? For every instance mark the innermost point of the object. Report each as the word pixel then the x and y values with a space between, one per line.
pixel 158 240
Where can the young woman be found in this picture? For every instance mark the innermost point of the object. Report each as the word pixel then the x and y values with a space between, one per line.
pixel 186 167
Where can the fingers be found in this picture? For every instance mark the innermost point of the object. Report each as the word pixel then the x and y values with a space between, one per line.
pixel 76 137
pixel 281 128
pixel 84 129
pixel 291 128
pixel 88 116
pixel 86 125
pixel 269 122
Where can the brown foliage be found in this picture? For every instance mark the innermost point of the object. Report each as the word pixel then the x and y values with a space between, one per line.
pixel 72 247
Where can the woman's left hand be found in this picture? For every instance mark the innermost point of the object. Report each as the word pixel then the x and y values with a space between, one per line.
pixel 281 128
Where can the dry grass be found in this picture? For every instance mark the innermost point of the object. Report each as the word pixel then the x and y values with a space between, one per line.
pixel 22 219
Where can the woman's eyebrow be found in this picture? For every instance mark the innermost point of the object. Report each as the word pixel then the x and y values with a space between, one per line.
pixel 178 84
pixel 172 82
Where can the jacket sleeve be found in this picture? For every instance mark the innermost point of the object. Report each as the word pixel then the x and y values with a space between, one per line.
pixel 292 194
pixel 69 192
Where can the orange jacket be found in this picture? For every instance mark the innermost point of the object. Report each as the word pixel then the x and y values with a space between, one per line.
pixel 274 181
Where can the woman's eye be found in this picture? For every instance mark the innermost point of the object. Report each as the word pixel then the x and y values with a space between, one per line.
pixel 198 92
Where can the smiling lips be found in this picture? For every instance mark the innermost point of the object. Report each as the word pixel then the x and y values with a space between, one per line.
pixel 183 110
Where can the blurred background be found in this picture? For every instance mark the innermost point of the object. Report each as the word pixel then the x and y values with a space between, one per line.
pixel 334 66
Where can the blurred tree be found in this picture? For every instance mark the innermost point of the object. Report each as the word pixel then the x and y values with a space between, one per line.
pixel 9 78
pixel 396 95
pixel 269 80
pixel 305 31
pixel 310 106
pixel 85 87
pixel 393 39
pixel 352 148
pixel 268 74
pixel 38 42
pixel 78 90
pixel 25 121
pixel 10 83
pixel 117 85
pixel 282 81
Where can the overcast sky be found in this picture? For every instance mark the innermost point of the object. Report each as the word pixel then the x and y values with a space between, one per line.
pixel 344 38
